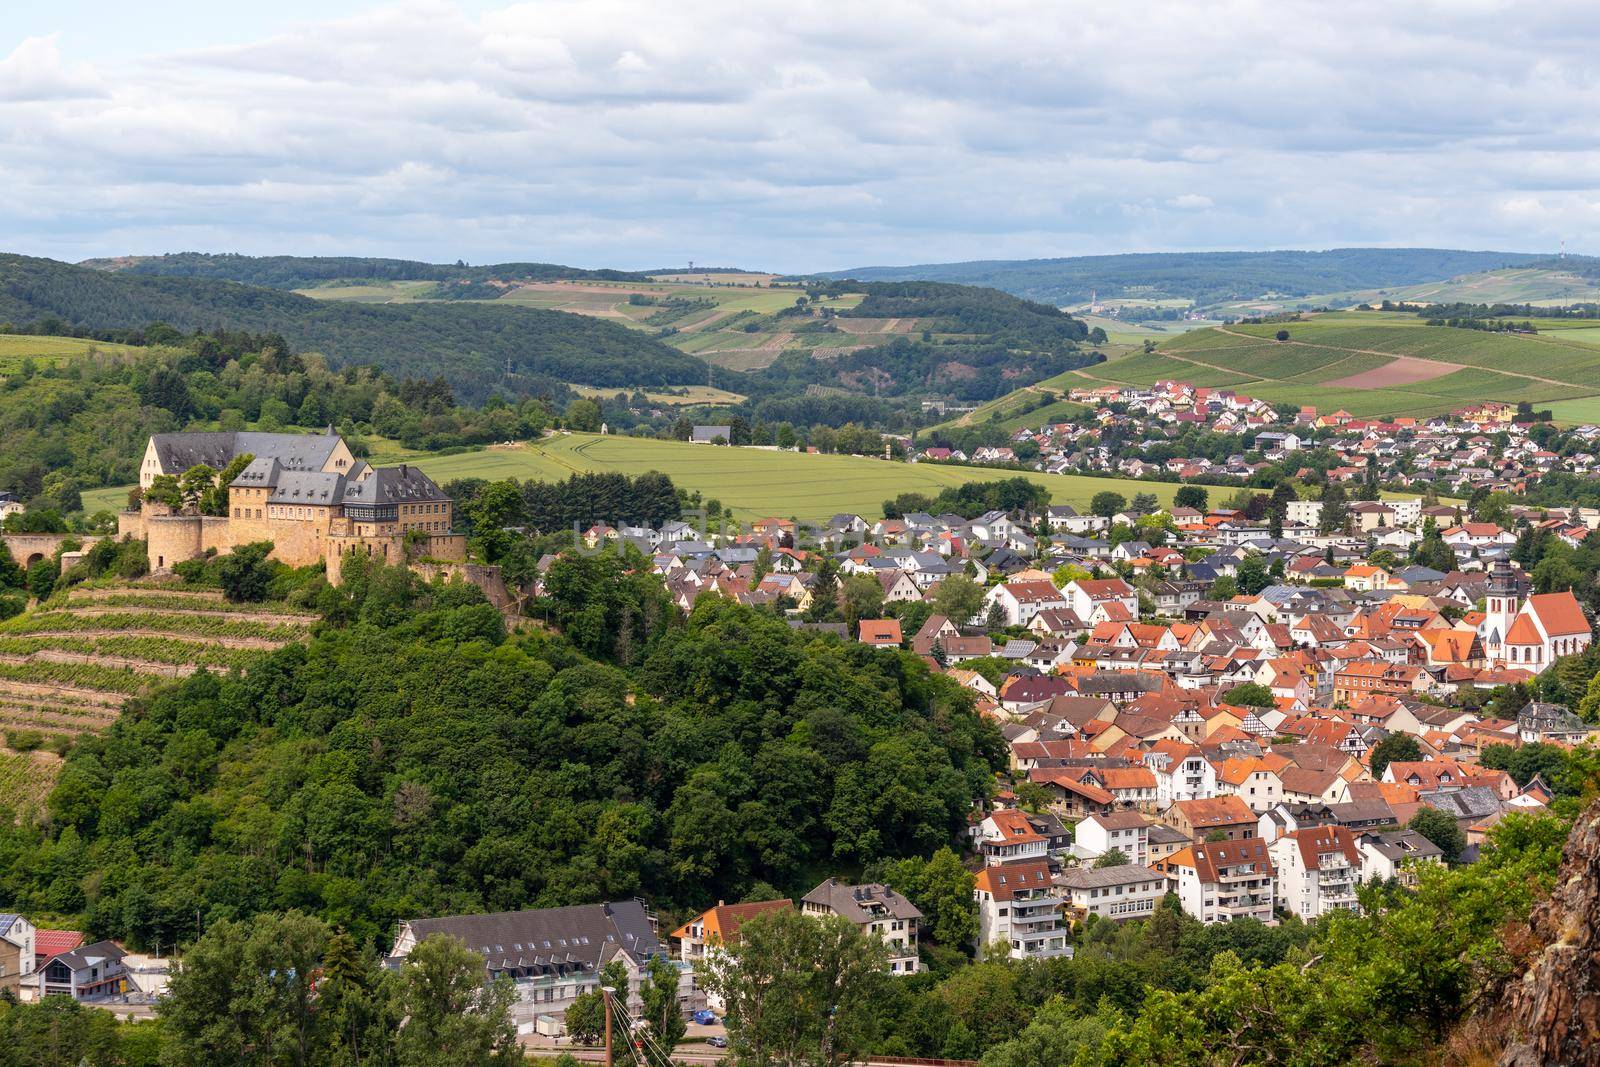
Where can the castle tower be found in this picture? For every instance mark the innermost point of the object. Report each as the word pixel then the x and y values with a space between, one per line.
pixel 1501 606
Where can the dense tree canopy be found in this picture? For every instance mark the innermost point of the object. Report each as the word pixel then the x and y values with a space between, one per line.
pixel 417 761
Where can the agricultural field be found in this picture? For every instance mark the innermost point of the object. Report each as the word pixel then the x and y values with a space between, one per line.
pixel 727 319
pixel 678 397
pixel 1373 364
pixel 51 351
pixel 69 665
pixel 756 482
pixel 375 292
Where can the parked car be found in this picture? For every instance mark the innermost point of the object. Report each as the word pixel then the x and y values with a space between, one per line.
pixel 717 1041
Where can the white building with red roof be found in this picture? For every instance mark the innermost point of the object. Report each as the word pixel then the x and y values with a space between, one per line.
pixel 1317 869
pixel 1531 634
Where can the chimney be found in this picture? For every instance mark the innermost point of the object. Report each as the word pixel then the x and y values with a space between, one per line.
pixel 403 469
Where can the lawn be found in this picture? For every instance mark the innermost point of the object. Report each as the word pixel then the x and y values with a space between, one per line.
pixel 758 482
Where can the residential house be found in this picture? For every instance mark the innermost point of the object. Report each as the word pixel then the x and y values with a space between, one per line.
pixel 876 910
pixel 1317 870
pixel 17 952
pixel 1228 816
pixel 1223 881
pixel 1019 907
pixel 93 972
pixel 1395 855
pixel 1126 831
pixel 1127 891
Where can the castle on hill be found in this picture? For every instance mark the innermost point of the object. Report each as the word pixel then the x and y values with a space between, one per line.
pixel 306 493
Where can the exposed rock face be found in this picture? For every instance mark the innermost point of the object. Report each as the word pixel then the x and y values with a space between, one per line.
pixel 1552 1013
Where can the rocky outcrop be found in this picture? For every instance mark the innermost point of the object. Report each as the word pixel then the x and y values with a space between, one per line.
pixel 1551 1014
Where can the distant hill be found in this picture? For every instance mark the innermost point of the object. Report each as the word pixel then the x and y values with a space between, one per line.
pixel 1207 278
pixel 304 272
pixel 469 343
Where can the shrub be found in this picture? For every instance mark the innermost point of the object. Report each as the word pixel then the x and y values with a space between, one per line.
pixel 24 740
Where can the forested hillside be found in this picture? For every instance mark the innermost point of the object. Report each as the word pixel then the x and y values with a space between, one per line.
pixel 83 424
pixel 968 343
pixel 415 760
pixel 301 272
pixel 1204 277
pixel 476 347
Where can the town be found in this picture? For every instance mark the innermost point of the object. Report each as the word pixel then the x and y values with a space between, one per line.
pixel 1252 711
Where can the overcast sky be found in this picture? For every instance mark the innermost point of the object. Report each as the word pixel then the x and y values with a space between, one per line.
pixel 794 136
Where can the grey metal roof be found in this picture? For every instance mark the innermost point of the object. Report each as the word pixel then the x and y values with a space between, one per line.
pixel 91 955
pixel 858 902
pixel 298 451
pixel 308 487
pixel 404 484
pixel 575 935
pixel 1101 877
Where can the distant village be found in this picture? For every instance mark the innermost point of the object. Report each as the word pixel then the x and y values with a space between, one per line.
pixel 1464 450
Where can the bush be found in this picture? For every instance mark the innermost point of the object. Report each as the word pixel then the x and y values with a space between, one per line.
pixel 12 606
pixel 246 574
pixel 24 740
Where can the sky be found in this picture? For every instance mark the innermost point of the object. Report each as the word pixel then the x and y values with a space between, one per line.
pixel 795 136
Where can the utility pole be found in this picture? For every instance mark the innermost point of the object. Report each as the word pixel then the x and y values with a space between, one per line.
pixel 605 1000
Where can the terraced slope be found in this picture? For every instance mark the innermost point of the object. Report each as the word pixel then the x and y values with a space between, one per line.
pixel 69 665
pixel 1372 364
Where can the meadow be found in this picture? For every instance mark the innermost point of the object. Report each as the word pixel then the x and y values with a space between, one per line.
pixel 50 351
pixel 1369 363
pixel 757 482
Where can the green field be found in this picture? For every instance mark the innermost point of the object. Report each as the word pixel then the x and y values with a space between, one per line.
pixel 757 482
pixel 1561 363
pixel 49 351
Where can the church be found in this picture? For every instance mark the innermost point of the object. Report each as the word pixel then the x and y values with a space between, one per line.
pixel 306 493
pixel 1530 634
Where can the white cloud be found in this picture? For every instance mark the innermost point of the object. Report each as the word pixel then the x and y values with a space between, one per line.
pixel 33 72
pixel 632 133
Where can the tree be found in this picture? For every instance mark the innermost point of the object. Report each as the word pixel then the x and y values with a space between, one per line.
pixel 245 993
pixel 1226 587
pixel 245 573
pixel 1250 695
pixel 1335 510
pixel 1433 552
pixel 1278 507
pixel 1191 496
pixel 1253 576
pixel 1144 504
pixel 941 888
pixel 863 598
pixel 1107 503
pixel 452 1018
pixel 583 415
pixel 659 992
pixel 1114 857
pixel 797 988
pixel 1281 335
pixel 958 598
pixel 195 484
pixel 1397 747
pixel 1440 828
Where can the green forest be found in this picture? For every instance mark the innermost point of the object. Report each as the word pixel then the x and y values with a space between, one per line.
pixel 304 272
pixel 476 347
pixel 415 759
pixel 1204 277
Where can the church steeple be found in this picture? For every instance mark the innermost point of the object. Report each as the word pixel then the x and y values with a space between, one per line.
pixel 1501 604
